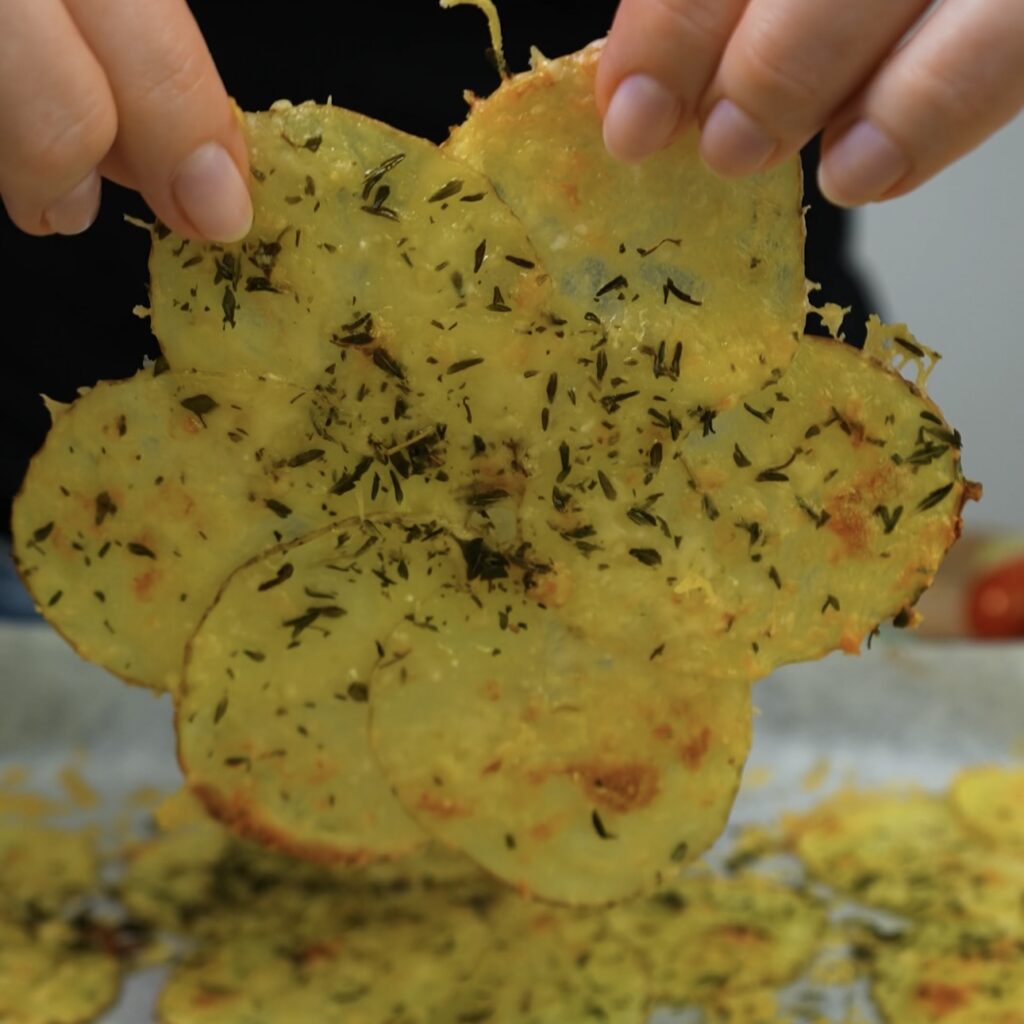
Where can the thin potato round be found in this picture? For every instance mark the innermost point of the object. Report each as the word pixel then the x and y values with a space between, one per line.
pixel 199 880
pixel 42 869
pixel 944 977
pixel 705 936
pixel 575 775
pixel 990 799
pixel 661 254
pixel 541 493
pixel 248 877
pixel 906 852
pixel 365 240
pixel 756 1006
pixel 298 941
pixel 50 975
pixel 584 779
pixel 549 965
pixel 787 527
pixel 233 982
pixel 335 961
pixel 150 492
pixel 169 880
pixel 272 720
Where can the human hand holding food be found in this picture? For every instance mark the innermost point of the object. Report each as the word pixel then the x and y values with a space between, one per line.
pixel 121 90
pixel 761 77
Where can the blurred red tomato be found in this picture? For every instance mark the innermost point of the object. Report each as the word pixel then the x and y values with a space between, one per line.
pixel 996 602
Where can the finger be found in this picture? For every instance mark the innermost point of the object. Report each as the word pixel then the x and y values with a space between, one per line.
pixel 958 80
pixel 57 119
pixel 179 142
pixel 787 67
pixel 657 62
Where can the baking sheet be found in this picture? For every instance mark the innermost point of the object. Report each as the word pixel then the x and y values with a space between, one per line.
pixel 907 711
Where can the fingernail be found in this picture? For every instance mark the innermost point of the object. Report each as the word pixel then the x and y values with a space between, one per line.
pixel 75 211
pixel 863 165
pixel 732 143
pixel 641 118
pixel 212 194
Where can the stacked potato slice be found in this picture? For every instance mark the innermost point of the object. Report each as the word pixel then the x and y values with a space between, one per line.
pixel 476 487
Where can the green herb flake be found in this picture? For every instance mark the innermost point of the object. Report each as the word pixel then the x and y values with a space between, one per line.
pixel 607 487
pixel 889 519
pixel 306 457
pixel 284 573
pixel 464 364
pixel 446 191
pixel 279 509
pixel 646 556
pixel 599 826
pixel 199 405
pixel 935 498
pixel 229 305
pixel 104 507
pixel 670 288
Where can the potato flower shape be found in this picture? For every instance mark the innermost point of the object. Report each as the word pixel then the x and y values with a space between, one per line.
pixel 476 487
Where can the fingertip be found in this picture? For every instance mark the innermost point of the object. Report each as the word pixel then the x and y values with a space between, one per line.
pixel 828 190
pixel 212 194
pixel 732 143
pixel 30 222
pixel 642 117
pixel 181 139
pixel 76 211
pixel 71 214
pixel 863 165
pixel 657 62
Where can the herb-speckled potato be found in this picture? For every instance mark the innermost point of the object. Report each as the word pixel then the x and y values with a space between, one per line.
pixel 477 485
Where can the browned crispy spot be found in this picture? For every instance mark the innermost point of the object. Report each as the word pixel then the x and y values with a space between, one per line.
pixel 319 952
pixel 441 806
pixel 143 584
pixel 851 510
pixel 849 522
pixel 212 997
pixel 694 752
pixel 618 787
pixel 572 194
pixel 552 589
pixel 850 643
pixel 941 999
pixel 237 813
pixel 544 830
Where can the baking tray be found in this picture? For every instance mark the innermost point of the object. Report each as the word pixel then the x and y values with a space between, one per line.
pixel 906 711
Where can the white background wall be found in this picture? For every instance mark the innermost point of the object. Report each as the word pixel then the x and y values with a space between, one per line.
pixel 949 261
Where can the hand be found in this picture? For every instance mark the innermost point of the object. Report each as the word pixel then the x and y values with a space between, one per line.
pixel 762 77
pixel 120 89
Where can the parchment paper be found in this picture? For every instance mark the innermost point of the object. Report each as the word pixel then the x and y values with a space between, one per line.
pixel 908 711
